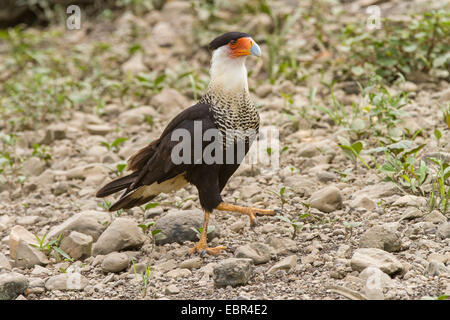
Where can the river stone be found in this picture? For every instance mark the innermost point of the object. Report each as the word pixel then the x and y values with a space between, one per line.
pixel 232 272
pixel 122 233
pixel 176 226
pixel 258 252
pixel 327 199
pixel 368 257
pixel 12 285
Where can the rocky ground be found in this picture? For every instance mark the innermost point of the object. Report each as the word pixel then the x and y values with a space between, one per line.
pixel 360 237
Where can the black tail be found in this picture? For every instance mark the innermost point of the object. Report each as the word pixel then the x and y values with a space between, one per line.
pixel 117 185
pixel 132 199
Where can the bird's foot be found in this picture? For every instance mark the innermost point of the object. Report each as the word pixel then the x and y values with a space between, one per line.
pixel 253 212
pixel 202 249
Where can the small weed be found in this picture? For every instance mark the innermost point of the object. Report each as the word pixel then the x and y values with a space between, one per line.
pixel 199 230
pixel 296 224
pixel 145 277
pixel 114 146
pixel 52 246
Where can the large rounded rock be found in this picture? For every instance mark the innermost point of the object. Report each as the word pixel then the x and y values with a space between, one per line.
pixel 232 272
pixel 176 226
pixel 372 257
pixel 327 199
pixel 123 233
pixel 381 237
pixel 12 285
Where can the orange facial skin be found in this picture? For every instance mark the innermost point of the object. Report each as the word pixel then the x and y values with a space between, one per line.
pixel 241 47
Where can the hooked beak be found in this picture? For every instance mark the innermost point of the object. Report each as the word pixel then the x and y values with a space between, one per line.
pixel 255 50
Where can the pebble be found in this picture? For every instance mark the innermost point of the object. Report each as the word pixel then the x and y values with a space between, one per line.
pixel 17 234
pixel 232 272
pixel 89 222
pixel 172 289
pixel 287 264
pixel 327 199
pixel 381 237
pixel 176 226
pixel 258 252
pixel 27 256
pixel 77 245
pixel 435 217
pixel 12 285
pixel 33 167
pixel 367 257
pixel 179 273
pixel 115 262
pixel 4 263
pixel 121 234
pixel 436 268
pixel 190 264
pixel 443 230
pixel 66 281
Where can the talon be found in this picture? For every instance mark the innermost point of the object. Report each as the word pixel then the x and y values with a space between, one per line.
pixel 253 223
pixel 277 211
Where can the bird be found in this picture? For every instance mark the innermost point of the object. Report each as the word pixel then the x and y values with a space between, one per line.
pixel 227 110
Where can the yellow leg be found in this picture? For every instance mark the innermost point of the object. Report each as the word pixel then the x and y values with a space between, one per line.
pixel 201 246
pixel 249 211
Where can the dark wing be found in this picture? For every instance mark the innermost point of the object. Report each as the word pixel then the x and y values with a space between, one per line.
pixel 153 163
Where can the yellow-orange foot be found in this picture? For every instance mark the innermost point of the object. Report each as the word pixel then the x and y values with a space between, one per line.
pixel 202 248
pixel 249 211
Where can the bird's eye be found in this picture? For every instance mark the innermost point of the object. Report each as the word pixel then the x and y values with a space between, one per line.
pixel 233 42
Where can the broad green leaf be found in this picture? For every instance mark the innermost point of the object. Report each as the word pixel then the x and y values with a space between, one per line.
pixel 61 252
pixel 151 205
pixel 155 232
pixel 357 147
pixel 437 134
pixel 118 141
pixel 387 167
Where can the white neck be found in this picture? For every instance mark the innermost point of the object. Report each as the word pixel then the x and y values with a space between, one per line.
pixel 228 74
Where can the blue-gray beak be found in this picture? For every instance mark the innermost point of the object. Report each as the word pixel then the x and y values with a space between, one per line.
pixel 255 50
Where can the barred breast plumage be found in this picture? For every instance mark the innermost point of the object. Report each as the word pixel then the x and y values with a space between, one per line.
pixel 234 113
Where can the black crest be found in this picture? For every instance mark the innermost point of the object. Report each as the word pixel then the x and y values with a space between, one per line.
pixel 225 38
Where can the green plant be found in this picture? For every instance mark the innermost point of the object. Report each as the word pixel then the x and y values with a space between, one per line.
pixel 349 226
pixel 401 166
pixel 281 196
pixel 114 146
pixel 296 224
pixel 105 205
pixel 148 206
pixel 352 151
pixel 146 227
pixel 418 45
pixel 119 168
pixel 145 277
pixel 336 113
pixel 199 230
pixel 441 181
pixel 51 246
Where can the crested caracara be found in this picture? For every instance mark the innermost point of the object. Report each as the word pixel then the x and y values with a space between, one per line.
pixel 226 108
